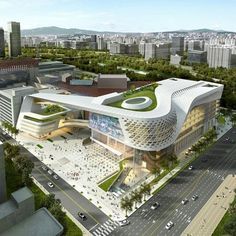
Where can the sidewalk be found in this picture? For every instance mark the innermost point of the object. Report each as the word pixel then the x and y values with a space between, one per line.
pixel 205 222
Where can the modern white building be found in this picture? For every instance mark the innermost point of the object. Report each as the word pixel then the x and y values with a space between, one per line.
pixel 10 103
pixel 145 123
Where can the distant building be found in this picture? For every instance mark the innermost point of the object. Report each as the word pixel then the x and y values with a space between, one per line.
pixel 101 43
pixel 115 81
pixel 175 59
pixel 142 49
pixel 2 43
pixel 131 49
pixel 55 68
pixel 117 48
pixel 160 51
pixel 220 56
pixel 195 45
pixel 10 103
pixel 14 39
pixel 177 46
pixel 163 51
pixel 18 217
pixel 150 50
pixel 195 56
pixel 3 191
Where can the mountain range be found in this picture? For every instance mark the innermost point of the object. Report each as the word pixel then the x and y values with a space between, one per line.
pixel 53 30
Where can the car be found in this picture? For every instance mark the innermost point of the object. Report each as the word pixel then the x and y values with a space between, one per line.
pixel 194 197
pixel 50 172
pixel 82 216
pixel 190 168
pixel 184 201
pixel 55 176
pixel 44 168
pixel 50 184
pixel 155 205
pixel 169 225
pixel 123 222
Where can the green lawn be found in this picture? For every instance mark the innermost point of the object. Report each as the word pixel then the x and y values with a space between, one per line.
pixel 219 231
pixel 143 93
pixel 109 182
pixel 14 182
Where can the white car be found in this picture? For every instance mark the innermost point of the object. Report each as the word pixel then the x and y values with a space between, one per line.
pixel 155 205
pixel 55 176
pixel 123 222
pixel 190 167
pixel 50 184
pixel 44 168
pixel 184 201
pixel 194 197
pixel 50 172
pixel 169 225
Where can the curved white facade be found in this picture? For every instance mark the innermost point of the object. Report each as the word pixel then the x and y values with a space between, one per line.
pixel 150 130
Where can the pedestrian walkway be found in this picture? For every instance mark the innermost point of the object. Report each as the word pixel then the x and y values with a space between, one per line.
pixel 105 229
pixel 213 211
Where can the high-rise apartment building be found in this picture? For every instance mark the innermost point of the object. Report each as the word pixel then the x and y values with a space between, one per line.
pixel 150 50
pixel 2 43
pixel 14 39
pixel 177 46
pixel 219 56
pixel 101 43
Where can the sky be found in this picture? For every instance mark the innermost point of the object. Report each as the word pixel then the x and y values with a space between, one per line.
pixel 121 15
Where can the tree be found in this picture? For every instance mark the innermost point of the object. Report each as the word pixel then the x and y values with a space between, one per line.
pixel 126 204
pixel 24 163
pixel 156 171
pixel 135 196
pixel 233 119
pixel 230 226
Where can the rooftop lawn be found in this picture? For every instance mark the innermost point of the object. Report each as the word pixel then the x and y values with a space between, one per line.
pixel 145 92
pixel 52 109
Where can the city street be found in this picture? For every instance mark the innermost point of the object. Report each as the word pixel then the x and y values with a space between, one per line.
pixel 72 200
pixel 209 171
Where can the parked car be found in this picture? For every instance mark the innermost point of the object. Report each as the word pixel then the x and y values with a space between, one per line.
pixel 82 216
pixel 44 168
pixel 50 172
pixel 169 225
pixel 190 168
pixel 184 201
pixel 55 176
pixel 194 197
pixel 123 222
pixel 155 205
pixel 50 184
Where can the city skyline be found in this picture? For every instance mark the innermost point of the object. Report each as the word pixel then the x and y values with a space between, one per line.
pixel 120 16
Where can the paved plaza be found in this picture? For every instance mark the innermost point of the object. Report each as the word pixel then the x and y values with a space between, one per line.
pixel 83 167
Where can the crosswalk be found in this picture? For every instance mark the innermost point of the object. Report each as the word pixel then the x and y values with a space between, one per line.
pixel 106 228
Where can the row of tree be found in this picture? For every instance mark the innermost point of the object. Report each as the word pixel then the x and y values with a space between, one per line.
pixel 137 196
pixel 204 142
pixel 7 126
pixel 22 163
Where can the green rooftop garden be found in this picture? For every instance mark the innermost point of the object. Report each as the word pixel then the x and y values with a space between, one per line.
pixel 52 109
pixel 145 91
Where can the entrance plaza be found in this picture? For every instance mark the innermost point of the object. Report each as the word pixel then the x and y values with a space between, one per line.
pixel 83 167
